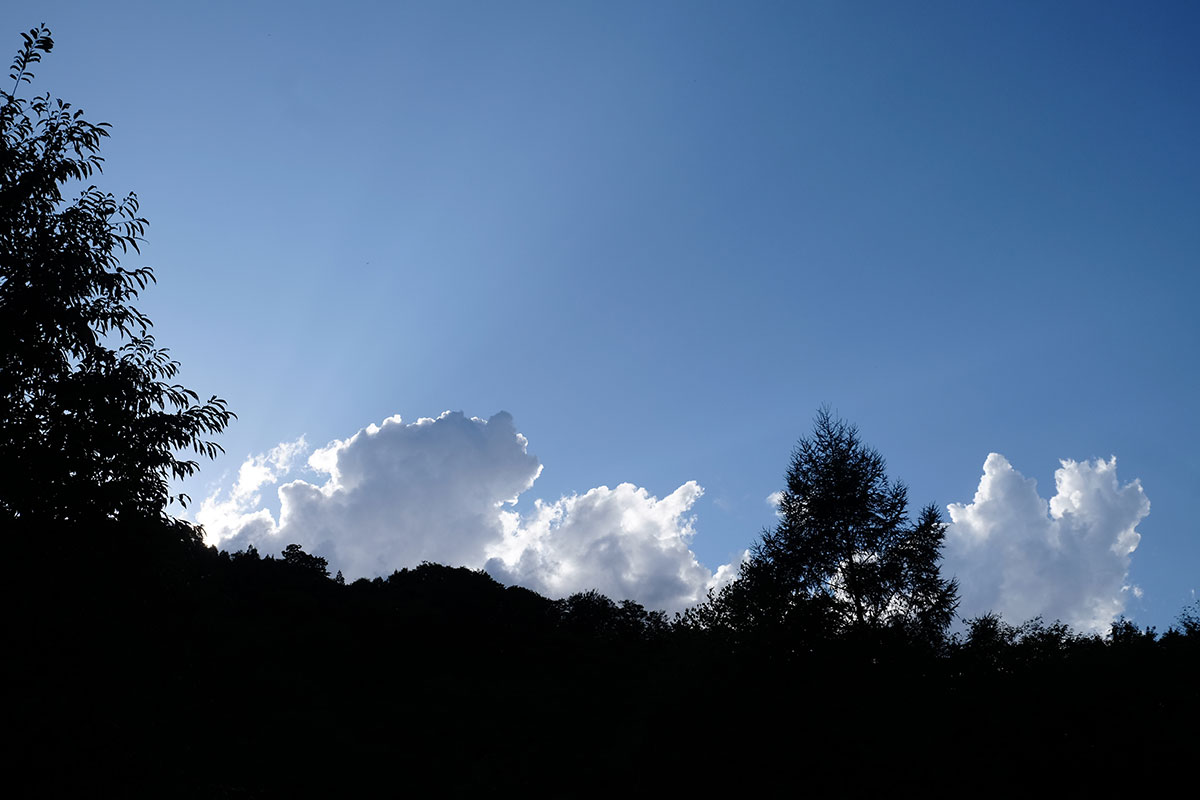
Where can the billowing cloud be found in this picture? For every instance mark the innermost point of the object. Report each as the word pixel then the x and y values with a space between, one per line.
pixel 622 541
pixel 240 510
pixel 1067 558
pixel 396 494
pixel 442 490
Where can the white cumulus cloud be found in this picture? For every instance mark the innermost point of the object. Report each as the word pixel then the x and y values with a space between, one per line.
pixel 623 542
pixel 240 509
pixel 1021 556
pixel 442 490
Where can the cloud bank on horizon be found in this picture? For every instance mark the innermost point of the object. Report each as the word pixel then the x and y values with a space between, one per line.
pixel 396 494
pixel 441 490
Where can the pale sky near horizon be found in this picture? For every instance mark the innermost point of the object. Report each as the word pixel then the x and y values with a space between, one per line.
pixel 660 236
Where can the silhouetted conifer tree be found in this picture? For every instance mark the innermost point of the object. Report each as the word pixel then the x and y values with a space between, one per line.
pixel 845 555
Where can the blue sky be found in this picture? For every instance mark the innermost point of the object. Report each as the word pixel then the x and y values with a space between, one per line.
pixel 661 235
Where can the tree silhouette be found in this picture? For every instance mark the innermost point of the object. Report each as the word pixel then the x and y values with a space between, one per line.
pixel 1189 619
pixel 844 553
pixel 295 556
pixel 90 423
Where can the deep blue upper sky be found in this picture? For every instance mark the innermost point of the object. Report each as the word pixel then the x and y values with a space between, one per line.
pixel 661 235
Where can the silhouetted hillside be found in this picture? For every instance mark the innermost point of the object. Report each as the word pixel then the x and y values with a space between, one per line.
pixel 243 675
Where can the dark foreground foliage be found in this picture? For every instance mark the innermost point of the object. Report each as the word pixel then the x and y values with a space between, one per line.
pixel 92 426
pixel 235 675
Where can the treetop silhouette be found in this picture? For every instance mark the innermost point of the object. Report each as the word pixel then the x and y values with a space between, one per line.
pixel 844 556
pixel 91 424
